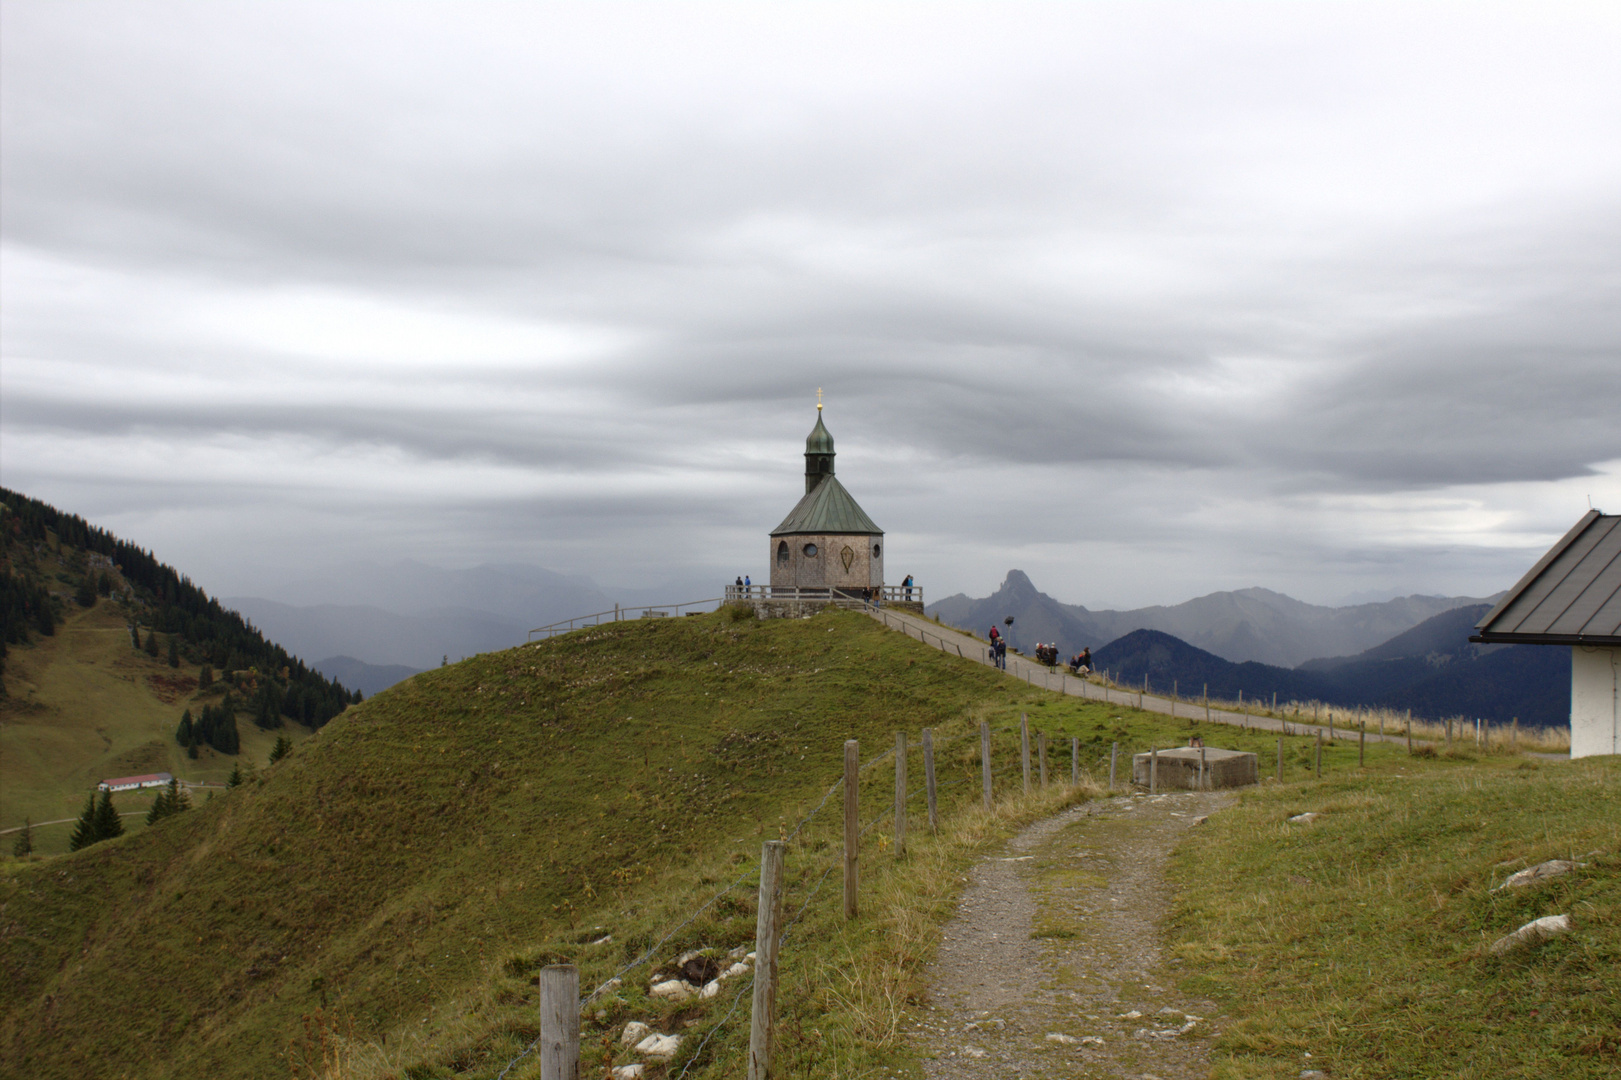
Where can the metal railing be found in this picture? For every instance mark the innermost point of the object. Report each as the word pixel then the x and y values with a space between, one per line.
pixel 841 597
pixel 621 613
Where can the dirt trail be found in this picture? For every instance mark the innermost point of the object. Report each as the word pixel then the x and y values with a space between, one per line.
pixel 1053 965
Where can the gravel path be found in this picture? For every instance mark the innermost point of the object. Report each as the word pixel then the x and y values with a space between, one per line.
pixel 1053 964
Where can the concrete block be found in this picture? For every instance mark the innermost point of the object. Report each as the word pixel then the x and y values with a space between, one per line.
pixel 1179 768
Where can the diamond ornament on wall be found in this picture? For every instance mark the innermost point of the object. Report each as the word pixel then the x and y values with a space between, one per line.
pixel 847 557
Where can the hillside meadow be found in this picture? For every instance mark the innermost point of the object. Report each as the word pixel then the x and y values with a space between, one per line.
pixel 378 904
pixel 403 871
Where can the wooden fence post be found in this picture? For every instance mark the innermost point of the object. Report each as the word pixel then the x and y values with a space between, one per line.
pixel 1280 761
pixel 1514 736
pixel 559 1022
pixel 1361 745
pixel 767 936
pixel 1319 753
pixel 985 759
pixel 1114 756
pixel 1024 748
pixel 1204 776
pixel 928 779
pixel 1331 724
pixel 1408 727
pixel 852 831
pixel 1153 770
pixel 1041 755
pixel 1449 734
pixel 900 793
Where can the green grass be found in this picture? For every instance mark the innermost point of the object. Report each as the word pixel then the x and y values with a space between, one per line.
pixel 1362 938
pixel 84 705
pixel 402 873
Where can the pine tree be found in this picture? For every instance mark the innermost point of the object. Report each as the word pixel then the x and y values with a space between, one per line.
pixel 184 733
pixel 279 751
pixel 108 824
pixel 160 807
pixel 174 653
pixel 235 779
pixel 104 584
pixel 25 840
pixel 85 594
pixel 84 833
pixel 151 645
pixel 135 634
pixel 205 678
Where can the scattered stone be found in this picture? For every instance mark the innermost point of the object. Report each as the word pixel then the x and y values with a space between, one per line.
pixel 734 970
pixel 1302 819
pixel 1200 820
pixel 1313 1074
pixel 672 989
pixel 658 1047
pixel 1064 1040
pixel 709 989
pixel 603 940
pixel 612 984
pixel 1533 932
pixel 1091 1040
pixel 1132 1015
pixel 1168 1011
pixel 1542 871
pixel 634 1032
pixel 629 1072
pixel 973 1051
pixel 739 953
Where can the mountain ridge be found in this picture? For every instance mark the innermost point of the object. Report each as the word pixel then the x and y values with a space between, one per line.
pixel 1252 624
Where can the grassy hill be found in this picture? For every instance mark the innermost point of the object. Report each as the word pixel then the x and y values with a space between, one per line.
pixel 83 705
pixel 410 866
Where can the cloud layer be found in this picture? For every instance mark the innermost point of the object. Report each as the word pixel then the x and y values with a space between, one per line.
pixel 1149 300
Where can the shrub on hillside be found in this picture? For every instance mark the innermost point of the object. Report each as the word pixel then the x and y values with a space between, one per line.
pixel 739 611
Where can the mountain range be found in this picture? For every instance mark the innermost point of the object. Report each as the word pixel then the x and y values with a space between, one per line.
pixel 1432 670
pixel 1246 625
pixel 412 615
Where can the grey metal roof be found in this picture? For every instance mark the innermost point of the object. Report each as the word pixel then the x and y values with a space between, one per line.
pixel 1572 596
pixel 827 508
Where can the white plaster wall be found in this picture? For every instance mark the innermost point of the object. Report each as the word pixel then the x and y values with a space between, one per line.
pixel 1595 723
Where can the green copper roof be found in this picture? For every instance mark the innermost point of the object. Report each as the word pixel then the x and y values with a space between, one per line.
pixel 820 440
pixel 827 508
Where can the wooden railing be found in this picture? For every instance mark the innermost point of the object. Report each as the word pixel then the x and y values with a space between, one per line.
pixel 841 597
pixel 620 613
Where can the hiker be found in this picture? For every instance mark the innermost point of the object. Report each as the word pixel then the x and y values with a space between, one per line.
pixel 907 585
pixel 1086 659
pixel 1196 742
pixel 1001 653
pixel 746 581
pixel 740 582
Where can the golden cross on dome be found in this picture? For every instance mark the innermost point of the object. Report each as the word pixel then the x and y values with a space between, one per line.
pixel 818 399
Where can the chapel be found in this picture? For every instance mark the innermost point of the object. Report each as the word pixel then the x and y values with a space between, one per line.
pixel 827 541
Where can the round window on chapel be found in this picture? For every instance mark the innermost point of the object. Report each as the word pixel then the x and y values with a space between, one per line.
pixel 810 551
pixel 876 551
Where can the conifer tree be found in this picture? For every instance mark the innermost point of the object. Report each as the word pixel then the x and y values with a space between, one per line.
pixel 85 594
pixel 184 733
pixel 280 750
pixel 108 824
pixel 135 634
pixel 205 678
pixel 159 808
pixel 151 645
pixel 104 584
pixel 84 833
pixel 25 840
pixel 235 779
pixel 174 653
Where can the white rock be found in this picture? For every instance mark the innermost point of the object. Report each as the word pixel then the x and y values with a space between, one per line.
pixel 709 989
pixel 658 1047
pixel 973 1051
pixel 1532 932
pixel 634 1032
pixel 612 984
pixel 1065 1040
pixel 693 955
pixel 1132 1015
pixel 1301 819
pixel 673 989
pixel 1550 869
pixel 629 1072
pixel 734 970
pixel 1091 1040
pixel 749 956
pixel 1168 1011
pixel 738 953
pixel 603 940
pixel 1313 1074
pixel 1189 1026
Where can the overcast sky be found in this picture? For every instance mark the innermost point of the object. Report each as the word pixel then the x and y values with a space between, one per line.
pixel 1146 300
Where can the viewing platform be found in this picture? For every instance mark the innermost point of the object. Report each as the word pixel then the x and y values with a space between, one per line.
pixel 794 602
